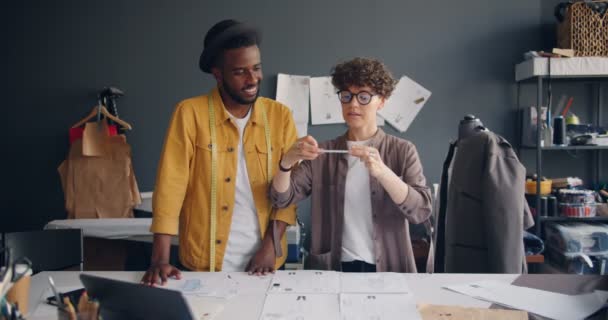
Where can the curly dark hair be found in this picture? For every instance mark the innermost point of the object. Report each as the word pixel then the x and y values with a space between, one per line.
pixel 362 72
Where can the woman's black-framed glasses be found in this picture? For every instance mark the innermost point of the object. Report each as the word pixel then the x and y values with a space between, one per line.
pixel 363 97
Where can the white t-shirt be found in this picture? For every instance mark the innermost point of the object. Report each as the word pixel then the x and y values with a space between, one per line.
pixel 244 238
pixel 357 238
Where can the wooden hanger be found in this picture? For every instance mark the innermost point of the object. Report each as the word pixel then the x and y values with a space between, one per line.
pixel 103 110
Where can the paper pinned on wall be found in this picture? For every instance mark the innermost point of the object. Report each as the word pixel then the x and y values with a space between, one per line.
pixel 294 92
pixel 301 306
pixel 325 108
pixel 544 303
pixel 403 106
pixel 364 306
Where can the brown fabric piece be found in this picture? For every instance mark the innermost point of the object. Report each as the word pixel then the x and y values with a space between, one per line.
pixel 563 283
pixel 94 139
pixel 102 186
pixel 437 312
pixel 324 180
pixel 276 239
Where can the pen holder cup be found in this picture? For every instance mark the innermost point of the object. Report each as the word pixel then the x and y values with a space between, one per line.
pixel 20 291
pixel 63 314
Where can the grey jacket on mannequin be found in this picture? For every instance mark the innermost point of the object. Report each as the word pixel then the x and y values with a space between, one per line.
pixel 486 209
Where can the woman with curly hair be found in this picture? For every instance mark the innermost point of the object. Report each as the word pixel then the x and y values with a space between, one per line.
pixel 364 198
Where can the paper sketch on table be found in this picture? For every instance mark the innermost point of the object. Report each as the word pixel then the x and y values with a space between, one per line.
pixel 325 107
pixel 205 308
pixel 207 284
pixel 403 106
pixel 301 306
pixel 248 284
pixel 305 281
pixel 385 282
pixel 544 303
pixel 294 92
pixel 365 306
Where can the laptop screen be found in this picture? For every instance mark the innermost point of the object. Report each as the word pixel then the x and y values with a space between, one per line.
pixel 125 300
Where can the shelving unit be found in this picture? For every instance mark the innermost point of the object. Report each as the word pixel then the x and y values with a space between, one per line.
pixel 566 148
pixel 573 219
pixel 592 69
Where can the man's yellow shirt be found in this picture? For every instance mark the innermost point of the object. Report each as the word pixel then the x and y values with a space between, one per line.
pixel 181 200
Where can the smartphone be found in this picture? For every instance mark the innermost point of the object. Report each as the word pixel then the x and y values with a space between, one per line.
pixel 74 297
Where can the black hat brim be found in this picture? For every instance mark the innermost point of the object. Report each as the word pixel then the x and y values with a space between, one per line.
pixel 209 52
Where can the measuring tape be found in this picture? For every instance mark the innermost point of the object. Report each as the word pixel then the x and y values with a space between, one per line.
pixel 214 150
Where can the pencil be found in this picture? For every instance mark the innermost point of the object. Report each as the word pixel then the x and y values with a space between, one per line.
pixel 565 112
pixel 333 151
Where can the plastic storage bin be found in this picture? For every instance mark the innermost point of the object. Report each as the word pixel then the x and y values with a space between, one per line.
pixel 577 247
pixel 577 210
pixel 578 264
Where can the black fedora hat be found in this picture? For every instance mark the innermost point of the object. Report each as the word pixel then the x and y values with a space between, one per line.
pixel 219 34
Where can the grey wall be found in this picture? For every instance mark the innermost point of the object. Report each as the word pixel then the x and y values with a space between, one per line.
pixel 58 54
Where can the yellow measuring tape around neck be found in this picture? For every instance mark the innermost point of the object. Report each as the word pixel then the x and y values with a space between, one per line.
pixel 214 161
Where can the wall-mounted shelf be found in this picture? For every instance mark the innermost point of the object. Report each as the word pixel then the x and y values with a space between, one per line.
pixel 567 148
pixel 574 219
pixel 571 68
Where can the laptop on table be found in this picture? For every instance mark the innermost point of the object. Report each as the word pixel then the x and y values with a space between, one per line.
pixel 125 300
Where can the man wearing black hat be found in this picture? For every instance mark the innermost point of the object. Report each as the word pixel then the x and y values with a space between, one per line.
pixel 213 175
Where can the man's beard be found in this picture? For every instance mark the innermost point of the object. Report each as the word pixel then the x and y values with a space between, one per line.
pixel 240 100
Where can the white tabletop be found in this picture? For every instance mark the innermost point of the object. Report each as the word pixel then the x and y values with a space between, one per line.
pixel 426 288
pixel 113 228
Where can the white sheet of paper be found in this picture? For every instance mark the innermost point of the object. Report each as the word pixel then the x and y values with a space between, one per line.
pixel 403 106
pixel 305 281
pixel 248 284
pixel 301 307
pixel 365 306
pixel 216 284
pixel 205 308
pixel 294 92
pixel 302 129
pixel 385 282
pixel 544 303
pixel 325 108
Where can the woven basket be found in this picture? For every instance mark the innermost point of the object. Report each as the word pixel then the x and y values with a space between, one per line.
pixel 583 30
